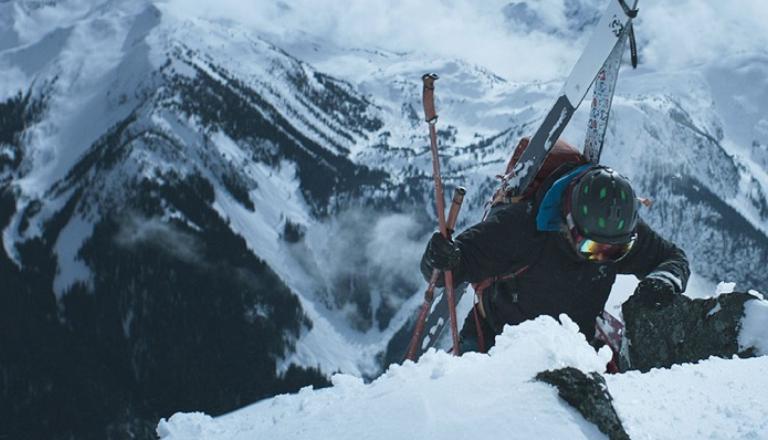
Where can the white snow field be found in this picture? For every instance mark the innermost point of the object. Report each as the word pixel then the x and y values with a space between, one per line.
pixel 494 396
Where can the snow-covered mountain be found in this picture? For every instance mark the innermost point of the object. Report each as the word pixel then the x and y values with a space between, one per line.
pixel 192 193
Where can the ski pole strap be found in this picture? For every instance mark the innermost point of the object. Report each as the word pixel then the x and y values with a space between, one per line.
pixel 632 45
pixel 631 13
pixel 428 97
pixel 453 211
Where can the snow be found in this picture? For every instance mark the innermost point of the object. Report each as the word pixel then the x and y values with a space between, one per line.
pixel 479 396
pixel 725 287
pixel 754 327
pixel 440 397
pixel 305 267
pixel 91 64
pixel 714 399
pixel 71 268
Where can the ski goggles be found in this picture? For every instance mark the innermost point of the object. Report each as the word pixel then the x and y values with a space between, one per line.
pixel 592 250
pixel 589 249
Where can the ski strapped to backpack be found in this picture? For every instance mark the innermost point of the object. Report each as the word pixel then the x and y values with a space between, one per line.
pixel 612 29
pixel 602 98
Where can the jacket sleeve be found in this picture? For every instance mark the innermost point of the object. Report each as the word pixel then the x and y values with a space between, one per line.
pixel 491 247
pixel 657 257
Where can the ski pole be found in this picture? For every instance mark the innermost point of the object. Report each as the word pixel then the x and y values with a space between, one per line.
pixel 430 115
pixel 429 294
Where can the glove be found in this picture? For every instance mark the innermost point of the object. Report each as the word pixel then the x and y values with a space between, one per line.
pixel 655 292
pixel 442 254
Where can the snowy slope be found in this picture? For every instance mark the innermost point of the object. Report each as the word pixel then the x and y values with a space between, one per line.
pixel 442 397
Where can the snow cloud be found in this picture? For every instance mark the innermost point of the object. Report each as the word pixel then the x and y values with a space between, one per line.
pixel 138 230
pixel 365 258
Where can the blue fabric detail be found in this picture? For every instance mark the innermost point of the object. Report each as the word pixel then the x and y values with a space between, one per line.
pixel 548 217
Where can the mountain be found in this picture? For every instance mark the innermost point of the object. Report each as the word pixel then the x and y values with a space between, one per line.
pixel 200 210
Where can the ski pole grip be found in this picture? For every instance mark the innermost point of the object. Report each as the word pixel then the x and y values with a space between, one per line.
pixel 453 212
pixel 428 97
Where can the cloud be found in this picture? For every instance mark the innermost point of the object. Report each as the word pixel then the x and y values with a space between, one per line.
pixel 395 248
pixel 365 258
pixel 478 32
pixel 138 230
pixel 687 33
pixel 519 40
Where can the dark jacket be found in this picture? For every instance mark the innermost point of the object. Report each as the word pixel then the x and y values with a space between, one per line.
pixel 556 281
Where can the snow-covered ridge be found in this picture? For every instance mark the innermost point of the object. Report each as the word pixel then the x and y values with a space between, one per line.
pixel 444 397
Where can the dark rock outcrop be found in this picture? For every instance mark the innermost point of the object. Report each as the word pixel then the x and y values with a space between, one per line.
pixel 589 395
pixel 687 330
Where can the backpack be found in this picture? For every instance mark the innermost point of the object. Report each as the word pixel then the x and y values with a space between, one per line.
pixel 562 153
pixel 562 158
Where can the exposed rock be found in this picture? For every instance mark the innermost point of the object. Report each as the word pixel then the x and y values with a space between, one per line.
pixel 589 395
pixel 687 330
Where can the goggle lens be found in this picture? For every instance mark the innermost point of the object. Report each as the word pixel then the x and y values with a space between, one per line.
pixel 595 251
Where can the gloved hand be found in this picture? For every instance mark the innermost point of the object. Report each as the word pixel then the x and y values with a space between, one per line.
pixel 442 254
pixel 655 292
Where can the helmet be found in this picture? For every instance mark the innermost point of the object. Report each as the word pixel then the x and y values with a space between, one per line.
pixel 601 214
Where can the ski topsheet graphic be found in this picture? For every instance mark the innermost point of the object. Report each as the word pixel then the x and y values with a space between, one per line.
pixel 600 60
pixel 602 97
pixel 610 32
